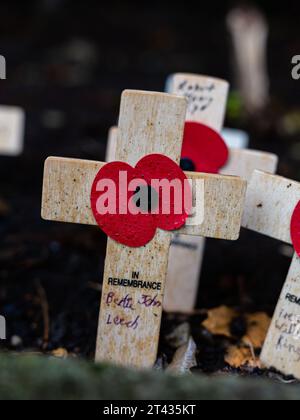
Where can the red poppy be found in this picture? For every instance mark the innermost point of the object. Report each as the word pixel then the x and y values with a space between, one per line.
pixel 129 204
pixel 295 229
pixel 203 149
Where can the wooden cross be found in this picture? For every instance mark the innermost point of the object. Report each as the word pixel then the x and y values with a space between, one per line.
pixel 207 99
pixel 130 317
pixel 207 104
pixel 12 122
pixel 270 203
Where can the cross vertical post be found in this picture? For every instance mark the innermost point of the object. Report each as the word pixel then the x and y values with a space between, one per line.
pixel 134 278
pixel 270 203
pixel 207 98
pixel 149 123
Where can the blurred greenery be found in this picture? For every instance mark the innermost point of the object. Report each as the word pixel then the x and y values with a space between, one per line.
pixel 40 378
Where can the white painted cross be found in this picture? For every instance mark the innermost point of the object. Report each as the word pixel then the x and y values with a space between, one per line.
pixel 12 122
pixel 130 317
pixel 186 253
pixel 269 207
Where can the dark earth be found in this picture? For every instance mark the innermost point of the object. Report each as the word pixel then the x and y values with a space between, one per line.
pixel 50 274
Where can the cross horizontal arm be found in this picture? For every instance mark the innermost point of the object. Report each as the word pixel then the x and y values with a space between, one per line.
pixel 243 162
pixel 67 187
pixel 224 198
pixel 270 202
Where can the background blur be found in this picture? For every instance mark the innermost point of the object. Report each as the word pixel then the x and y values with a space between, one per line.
pixel 67 64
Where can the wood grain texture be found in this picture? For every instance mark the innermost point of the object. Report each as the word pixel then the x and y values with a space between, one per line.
pixel 207 97
pixel 244 162
pixel 67 189
pixel 66 197
pixel 129 325
pixel 224 199
pixel 270 202
pixel 282 346
pixel 186 254
pixel 148 123
pixel 184 258
pixel 184 268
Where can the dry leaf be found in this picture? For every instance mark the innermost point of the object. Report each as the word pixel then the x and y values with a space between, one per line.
pixel 60 353
pixel 184 359
pixel 219 320
pixel 258 326
pixel 241 356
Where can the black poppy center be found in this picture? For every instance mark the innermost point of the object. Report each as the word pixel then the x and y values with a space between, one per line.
pixel 187 164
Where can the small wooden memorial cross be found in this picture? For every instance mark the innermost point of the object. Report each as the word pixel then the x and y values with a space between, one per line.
pixel 270 204
pixel 12 121
pixel 130 317
pixel 207 99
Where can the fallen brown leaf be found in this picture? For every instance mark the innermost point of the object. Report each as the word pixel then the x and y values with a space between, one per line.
pixel 237 357
pixel 219 320
pixel 60 353
pixel 258 326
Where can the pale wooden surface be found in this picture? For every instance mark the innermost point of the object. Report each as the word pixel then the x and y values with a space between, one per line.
pixel 111 144
pixel 149 123
pixel 282 346
pixel 186 253
pixel 12 126
pixel 67 189
pixel 241 162
pixel 66 197
pixel 270 203
pixel 207 97
pixel 223 207
pixel 244 162
pixel 185 262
